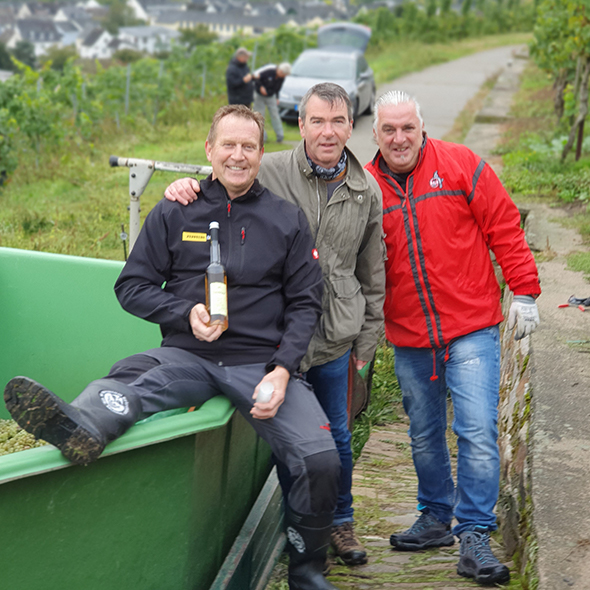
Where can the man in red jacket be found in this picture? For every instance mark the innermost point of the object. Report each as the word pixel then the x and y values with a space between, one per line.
pixel 443 210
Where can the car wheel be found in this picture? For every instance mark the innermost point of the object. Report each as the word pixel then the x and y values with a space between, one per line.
pixel 370 109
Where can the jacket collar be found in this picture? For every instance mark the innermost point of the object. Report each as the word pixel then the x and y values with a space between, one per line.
pixel 355 175
pixel 214 189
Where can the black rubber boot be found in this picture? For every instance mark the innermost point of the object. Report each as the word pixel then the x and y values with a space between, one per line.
pixel 80 430
pixel 308 539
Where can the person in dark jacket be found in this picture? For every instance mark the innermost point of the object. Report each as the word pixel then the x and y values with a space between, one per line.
pixel 239 80
pixel 274 288
pixel 268 82
pixel 342 203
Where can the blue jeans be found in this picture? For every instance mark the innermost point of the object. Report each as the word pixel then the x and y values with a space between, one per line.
pixel 471 373
pixel 330 383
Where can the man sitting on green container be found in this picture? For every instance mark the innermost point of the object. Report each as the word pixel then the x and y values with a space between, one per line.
pixel 274 290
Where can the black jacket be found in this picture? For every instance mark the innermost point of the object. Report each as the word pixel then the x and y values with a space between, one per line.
pixel 267 77
pixel 238 92
pixel 274 283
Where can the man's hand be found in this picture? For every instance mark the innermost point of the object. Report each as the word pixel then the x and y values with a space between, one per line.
pixel 279 377
pixel 523 314
pixel 357 362
pixel 247 78
pixel 183 190
pixel 198 318
pixel 263 91
pixel 360 364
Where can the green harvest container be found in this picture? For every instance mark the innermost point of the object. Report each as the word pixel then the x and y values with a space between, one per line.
pixel 161 508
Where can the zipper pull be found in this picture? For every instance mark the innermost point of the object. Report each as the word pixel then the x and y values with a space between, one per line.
pixel 243 235
pixel 229 208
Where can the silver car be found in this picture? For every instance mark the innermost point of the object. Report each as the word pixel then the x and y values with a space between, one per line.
pixel 342 63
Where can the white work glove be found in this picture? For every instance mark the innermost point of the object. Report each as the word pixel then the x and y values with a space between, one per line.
pixel 523 314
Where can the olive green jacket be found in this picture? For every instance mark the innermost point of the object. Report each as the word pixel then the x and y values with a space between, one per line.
pixel 348 237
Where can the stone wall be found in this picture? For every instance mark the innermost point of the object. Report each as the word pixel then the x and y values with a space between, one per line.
pixel 514 423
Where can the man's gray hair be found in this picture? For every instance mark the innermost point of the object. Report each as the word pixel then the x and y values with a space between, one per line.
pixel 395 97
pixel 331 93
pixel 285 68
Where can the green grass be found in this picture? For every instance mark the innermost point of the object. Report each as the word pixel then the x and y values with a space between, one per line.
pixel 531 154
pixel 580 262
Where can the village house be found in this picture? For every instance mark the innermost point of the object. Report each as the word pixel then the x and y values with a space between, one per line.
pixel 44 25
pixel 149 39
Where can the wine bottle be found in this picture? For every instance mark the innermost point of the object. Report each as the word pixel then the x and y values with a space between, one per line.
pixel 216 282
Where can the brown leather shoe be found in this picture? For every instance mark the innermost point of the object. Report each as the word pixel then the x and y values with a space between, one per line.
pixel 347 546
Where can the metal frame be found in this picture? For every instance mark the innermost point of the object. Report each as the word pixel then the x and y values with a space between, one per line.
pixel 140 173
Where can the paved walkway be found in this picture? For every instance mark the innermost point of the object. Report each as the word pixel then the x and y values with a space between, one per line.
pixel 384 488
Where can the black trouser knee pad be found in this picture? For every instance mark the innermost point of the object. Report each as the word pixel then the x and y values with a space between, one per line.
pixel 323 472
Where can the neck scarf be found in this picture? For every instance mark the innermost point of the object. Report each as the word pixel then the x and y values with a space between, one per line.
pixel 329 173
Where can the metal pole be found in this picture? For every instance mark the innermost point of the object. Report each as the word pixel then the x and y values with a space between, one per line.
pixel 157 102
pixel 140 173
pixel 127 89
pixel 204 79
pixel 254 55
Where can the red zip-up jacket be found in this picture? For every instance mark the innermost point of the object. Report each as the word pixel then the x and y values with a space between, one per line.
pixel 438 232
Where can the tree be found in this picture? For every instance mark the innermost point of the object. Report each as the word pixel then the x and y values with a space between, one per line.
pixel 127 56
pixel 24 51
pixel 550 50
pixel 58 56
pixel 466 7
pixel 120 15
pixel 199 35
pixel 562 48
pixel 431 8
pixel 5 61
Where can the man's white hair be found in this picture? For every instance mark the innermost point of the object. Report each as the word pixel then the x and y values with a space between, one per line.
pixel 395 97
pixel 285 68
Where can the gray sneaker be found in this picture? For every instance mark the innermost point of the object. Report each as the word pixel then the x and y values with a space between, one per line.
pixel 477 560
pixel 425 533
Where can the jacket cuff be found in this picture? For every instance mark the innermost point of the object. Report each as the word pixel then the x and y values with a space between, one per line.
pixel 533 289
pixel 364 352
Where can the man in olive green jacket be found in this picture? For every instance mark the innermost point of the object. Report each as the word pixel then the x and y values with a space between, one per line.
pixel 347 231
pixel 342 203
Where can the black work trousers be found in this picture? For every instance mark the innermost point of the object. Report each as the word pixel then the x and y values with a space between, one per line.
pixel 299 436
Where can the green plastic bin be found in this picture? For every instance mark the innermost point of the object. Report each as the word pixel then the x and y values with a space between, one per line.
pixel 161 508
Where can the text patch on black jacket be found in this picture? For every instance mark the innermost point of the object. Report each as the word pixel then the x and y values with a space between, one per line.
pixel 274 283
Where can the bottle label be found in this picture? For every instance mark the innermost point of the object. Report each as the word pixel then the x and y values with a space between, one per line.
pixel 218 299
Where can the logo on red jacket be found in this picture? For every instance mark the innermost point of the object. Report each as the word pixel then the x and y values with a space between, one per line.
pixel 315 254
pixel 436 181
